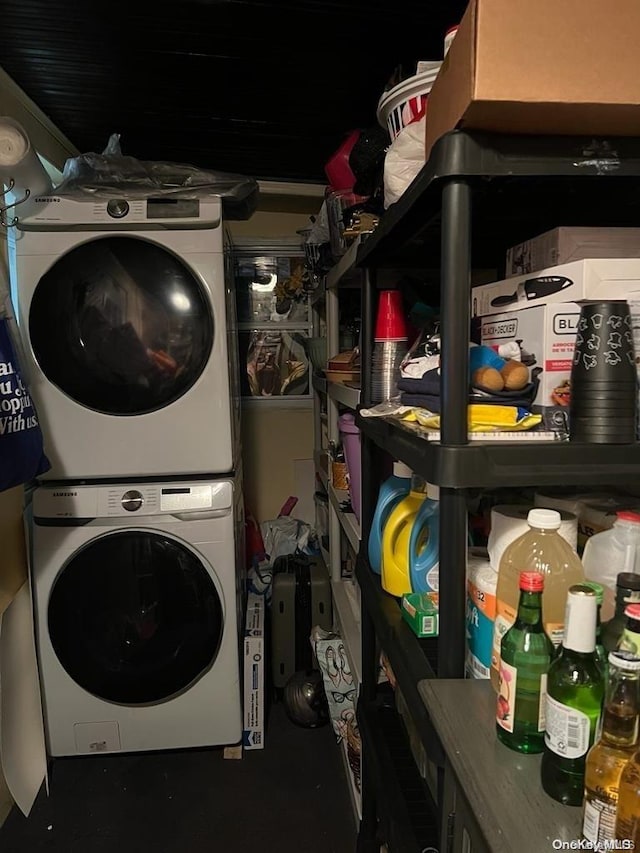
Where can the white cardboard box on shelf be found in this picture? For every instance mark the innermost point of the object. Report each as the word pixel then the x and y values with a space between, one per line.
pixel 546 335
pixel 617 278
pixel 253 713
pixel 564 245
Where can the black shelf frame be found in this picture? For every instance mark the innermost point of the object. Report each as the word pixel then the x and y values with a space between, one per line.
pixel 512 463
pixel 412 659
pixel 477 195
pixel 409 818
pixel 592 182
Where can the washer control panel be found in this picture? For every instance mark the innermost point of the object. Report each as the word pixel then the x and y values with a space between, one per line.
pixel 143 499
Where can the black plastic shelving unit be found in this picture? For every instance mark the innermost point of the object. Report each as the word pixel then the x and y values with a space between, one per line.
pixel 477 195
pixel 409 823
pixel 522 186
pixel 400 645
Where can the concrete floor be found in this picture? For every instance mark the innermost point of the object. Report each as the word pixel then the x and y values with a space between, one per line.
pixel 291 797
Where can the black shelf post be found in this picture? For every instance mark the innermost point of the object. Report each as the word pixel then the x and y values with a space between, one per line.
pixel 368 829
pixel 454 329
pixel 455 285
pixel 369 482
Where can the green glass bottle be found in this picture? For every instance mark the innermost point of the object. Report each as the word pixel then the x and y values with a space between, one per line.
pixel 601 654
pixel 627 592
pixel 525 654
pixel 575 689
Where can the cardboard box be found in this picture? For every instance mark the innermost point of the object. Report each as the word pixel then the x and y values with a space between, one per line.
pixel 617 278
pixel 563 245
pixel 546 335
pixel 544 68
pixel 253 713
pixel 420 610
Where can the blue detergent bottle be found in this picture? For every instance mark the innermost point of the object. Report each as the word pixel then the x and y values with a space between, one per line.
pixel 392 491
pixel 424 544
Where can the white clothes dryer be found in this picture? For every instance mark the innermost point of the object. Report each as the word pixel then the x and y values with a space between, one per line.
pixel 125 315
pixel 138 604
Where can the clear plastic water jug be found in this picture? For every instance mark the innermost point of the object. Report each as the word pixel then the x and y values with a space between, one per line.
pixel 610 552
pixel 541 549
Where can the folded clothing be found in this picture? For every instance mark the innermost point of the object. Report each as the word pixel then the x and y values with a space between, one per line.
pixel 416 367
pixel 427 384
pixel 423 401
pixel 524 397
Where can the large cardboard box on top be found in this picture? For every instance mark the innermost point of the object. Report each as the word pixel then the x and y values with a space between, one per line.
pixel 542 67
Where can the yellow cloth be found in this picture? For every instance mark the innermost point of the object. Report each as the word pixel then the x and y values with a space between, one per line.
pixel 481 418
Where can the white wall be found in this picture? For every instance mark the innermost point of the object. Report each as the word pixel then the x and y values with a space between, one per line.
pixel 44 135
pixel 13 566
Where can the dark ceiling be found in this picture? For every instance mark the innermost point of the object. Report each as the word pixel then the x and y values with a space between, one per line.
pixel 265 89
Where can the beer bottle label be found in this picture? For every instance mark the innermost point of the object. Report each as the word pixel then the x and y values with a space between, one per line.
pixel 599 821
pixel 567 729
pixel 630 642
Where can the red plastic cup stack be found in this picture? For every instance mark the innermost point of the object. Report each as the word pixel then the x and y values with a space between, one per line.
pixel 390 346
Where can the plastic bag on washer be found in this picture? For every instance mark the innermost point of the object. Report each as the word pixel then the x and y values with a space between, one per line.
pixel 113 174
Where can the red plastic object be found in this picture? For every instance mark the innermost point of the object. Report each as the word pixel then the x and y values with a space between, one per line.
pixel 531 581
pixel 629 515
pixel 390 322
pixel 288 506
pixel 253 540
pixel 337 167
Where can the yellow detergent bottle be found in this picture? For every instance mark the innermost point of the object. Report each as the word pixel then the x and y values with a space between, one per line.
pixel 396 573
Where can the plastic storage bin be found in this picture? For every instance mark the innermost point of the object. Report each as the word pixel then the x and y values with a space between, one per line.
pixel 350 436
pixel 276 363
pixel 407 102
pixel 270 289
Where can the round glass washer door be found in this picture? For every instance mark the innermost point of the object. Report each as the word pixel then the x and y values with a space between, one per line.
pixel 135 618
pixel 121 326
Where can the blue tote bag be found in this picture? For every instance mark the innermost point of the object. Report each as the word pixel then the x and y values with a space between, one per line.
pixel 22 456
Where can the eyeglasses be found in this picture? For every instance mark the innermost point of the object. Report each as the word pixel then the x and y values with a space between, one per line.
pixel 349 696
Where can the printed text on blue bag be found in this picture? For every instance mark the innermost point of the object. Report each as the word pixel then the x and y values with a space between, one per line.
pixel 14 402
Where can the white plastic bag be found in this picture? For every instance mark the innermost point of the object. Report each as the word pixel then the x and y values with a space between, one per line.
pixel 405 158
pixel 287 535
pixel 113 174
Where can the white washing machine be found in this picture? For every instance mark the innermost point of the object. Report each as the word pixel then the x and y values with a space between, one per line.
pixel 125 316
pixel 137 610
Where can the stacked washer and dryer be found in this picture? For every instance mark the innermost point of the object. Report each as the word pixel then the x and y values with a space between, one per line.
pixel 126 315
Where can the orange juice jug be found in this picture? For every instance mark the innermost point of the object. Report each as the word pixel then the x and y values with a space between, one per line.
pixel 396 574
pixel 541 549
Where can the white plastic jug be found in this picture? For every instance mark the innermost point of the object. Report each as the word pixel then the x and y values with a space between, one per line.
pixel 610 552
